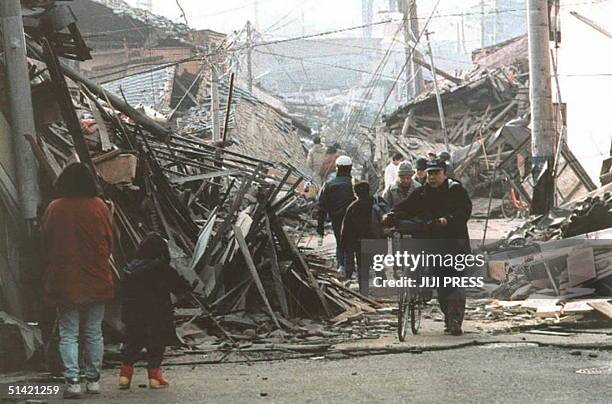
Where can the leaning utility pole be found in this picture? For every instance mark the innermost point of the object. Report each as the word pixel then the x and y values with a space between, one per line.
pixel 249 57
pixel 20 102
pixel 437 90
pixel 542 128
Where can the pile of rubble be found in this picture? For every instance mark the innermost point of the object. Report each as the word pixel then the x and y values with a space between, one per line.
pixel 223 212
pixel 487 133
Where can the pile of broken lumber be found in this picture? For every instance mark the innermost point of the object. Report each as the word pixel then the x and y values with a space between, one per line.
pixel 222 212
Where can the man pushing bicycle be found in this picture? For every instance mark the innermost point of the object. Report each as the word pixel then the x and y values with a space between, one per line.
pixel 444 208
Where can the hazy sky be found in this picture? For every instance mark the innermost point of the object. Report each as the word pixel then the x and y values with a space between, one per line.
pixel 290 17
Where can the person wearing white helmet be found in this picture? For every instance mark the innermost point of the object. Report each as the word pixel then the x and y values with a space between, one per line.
pixel 335 196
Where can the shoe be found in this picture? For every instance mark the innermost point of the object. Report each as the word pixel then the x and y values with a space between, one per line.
pixel 156 380
pixel 92 387
pixel 73 389
pixel 455 328
pixel 125 377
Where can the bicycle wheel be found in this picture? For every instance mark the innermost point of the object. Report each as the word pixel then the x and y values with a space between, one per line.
pixel 416 309
pixel 403 315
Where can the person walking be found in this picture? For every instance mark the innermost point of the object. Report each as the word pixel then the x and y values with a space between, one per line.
pixel 450 169
pixel 403 185
pixel 146 284
pixel 78 281
pixel 391 170
pixel 444 205
pixel 329 163
pixel 362 221
pixel 315 158
pixel 335 196
pixel 420 176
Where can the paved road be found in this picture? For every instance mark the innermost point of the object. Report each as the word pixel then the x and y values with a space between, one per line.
pixel 492 373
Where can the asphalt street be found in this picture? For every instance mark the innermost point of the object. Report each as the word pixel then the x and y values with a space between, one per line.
pixel 500 373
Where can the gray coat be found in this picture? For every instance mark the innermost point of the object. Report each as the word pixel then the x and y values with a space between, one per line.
pixel 396 193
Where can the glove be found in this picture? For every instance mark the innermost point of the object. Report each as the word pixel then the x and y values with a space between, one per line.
pixel 389 220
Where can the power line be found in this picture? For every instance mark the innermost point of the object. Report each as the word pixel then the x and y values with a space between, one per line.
pixel 352 69
pixel 403 67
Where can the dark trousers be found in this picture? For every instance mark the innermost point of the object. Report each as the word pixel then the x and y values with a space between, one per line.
pixel 337 226
pixel 353 254
pixel 134 344
pixel 452 304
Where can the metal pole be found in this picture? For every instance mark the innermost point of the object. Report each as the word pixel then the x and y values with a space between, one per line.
pixel 214 96
pixel 437 90
pixel 542 129
pixel 20 101
pixel 228 108
pixel 249 58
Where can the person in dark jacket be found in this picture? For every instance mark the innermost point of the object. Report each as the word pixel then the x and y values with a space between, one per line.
pixel 421 175
pixel 445 206
pixel 147 312
pixel 362 221
pixel 335 196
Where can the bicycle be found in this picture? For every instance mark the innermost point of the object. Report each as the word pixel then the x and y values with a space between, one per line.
pixel 411 299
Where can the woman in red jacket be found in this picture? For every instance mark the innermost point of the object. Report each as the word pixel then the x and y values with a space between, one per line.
pixel 77 232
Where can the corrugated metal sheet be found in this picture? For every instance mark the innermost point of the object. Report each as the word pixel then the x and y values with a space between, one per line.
pixel 149 89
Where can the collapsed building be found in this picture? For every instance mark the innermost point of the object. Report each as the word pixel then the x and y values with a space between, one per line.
pixel 486 119
pixel 225 206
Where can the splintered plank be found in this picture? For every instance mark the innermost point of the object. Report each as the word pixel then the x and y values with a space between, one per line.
pixel 297 259
pixel 251 265
pixel 276 276
pixel 604 308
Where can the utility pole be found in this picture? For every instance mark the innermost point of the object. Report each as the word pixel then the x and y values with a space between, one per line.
pixel 497 23
pixel 463 34
pixel 414 27
pixel 249 57
pixel 540 92
pixel 366 17
pixel 256 14
pixel 482 25
pixel 405 6
pixel 21 110
pixel 437 90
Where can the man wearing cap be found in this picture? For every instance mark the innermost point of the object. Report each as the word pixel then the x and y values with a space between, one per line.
pixel 450 171
pixel 335 196
pixel 403 185
pixel 420 177
pixel 444 205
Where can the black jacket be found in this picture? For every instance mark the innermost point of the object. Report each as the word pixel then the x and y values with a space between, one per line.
pixel 146 285
pixel 450 201
pixel 362 221
pixel 335 196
